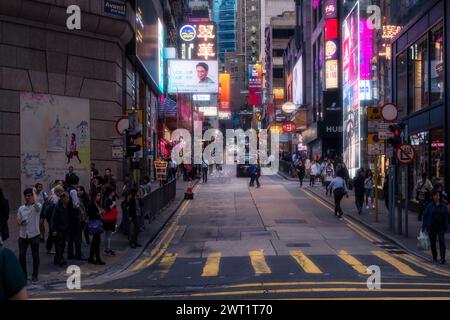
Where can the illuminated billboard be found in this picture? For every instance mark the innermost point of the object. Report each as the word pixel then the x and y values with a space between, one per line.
pixel 254 84
pixel 150 40
pixel 351 74
pixel 198 41
pixel 297 85
pixel 224 92
pixel 193 76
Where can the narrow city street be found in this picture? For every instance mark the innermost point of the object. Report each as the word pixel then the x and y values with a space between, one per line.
pixel 275 242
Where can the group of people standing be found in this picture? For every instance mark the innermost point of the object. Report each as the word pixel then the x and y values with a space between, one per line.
pixel 68 212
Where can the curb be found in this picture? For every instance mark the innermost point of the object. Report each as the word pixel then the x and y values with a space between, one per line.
pixel 109 272
pixel 375 230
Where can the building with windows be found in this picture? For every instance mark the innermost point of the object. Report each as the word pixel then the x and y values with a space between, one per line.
pixel 225 18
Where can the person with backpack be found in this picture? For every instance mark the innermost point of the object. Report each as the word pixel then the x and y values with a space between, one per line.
pixel 28 219
pixel 369 187
pixel 423 192
pixel 59 226
pixel 339 188
pixel 74 235
pixel 13 282
pixel 4 217
pixel 109 217
pixel 95 228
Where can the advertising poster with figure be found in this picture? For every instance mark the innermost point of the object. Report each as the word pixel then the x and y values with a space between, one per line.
pixel 351 99
pixel 59 139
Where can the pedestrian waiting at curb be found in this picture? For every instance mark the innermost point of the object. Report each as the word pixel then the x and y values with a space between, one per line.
pixel 28 218
pixel 74 235
pixel 109 217
pixel 94 210
pixel 57 191
pixel 423 192
pixel 134 207
pixel 60 227
pixel 435 223
pixel 84 202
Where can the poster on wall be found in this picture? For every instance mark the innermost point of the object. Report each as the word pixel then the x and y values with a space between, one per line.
pixel 351 104
pixel 193 76
pixel 297 90
pixel 254 84
pixel 61 138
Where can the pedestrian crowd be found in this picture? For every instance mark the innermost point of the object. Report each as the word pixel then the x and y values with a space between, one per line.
pixel 60 218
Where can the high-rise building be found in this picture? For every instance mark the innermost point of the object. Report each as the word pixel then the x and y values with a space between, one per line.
pixel 225 18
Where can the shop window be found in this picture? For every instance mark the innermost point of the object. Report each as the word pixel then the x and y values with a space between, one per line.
pixel 420 142
pixel 437 64
pixel 437 160
pixel 418 75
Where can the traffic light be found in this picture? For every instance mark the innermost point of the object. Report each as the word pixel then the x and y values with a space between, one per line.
pixel 396 130
pixel 132 145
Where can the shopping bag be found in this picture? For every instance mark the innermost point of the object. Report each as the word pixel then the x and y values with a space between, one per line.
pixel 423 241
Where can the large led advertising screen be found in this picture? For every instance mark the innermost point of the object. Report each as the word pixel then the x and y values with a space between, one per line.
pixel 351 103
pixel 193 76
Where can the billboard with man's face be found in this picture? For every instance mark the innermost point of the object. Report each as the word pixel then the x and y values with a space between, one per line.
pixel 193 76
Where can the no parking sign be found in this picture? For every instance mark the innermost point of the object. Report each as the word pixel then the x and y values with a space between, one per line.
pixel 406 154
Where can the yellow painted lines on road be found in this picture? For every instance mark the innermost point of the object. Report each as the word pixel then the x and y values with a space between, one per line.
pixel 353 262
pixel 166 263
pixel 307 265
pixel 400 266
pixel 424 265
pixel 330 283
pixel 82 291
pixel 317 290
pixel 318 200
pixel 362 231
pixel 212 265
pixel 259 262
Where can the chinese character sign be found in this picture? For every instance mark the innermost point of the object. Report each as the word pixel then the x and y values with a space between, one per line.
pixel 254 84
pixel 198 41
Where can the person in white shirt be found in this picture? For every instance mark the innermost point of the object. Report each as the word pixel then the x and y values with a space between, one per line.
pixel 308 167
pixel 315 171
pixel 28 218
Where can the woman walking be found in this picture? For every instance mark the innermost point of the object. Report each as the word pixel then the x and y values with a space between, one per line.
pixel 328 175
pixel 435 222
pixel 369 187
pixel 109 217
pixel 93 210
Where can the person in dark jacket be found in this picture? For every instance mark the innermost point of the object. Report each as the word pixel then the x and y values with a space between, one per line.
pixel 4 216
pixel 301 171
pixel 93 211
pixel 134 208
pixel 435 222
pixel 60 227
pixel 358 184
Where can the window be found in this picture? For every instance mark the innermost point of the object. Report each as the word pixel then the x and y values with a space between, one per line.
pixel 278 52
pixel 418 75
pixel 437 65
pixel 278 73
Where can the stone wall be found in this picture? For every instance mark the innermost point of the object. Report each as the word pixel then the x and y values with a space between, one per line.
pixel 48 58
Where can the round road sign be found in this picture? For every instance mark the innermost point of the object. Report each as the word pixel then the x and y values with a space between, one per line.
pixel 406 154
pixel 121 125
pixel 389 112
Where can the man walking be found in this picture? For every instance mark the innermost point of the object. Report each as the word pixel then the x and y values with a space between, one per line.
pixel 301 170
pixel 204 171
pixel 28 218
pixel 358 184
pixel 339 188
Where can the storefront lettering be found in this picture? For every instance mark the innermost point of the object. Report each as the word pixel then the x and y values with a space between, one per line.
pixel 73 22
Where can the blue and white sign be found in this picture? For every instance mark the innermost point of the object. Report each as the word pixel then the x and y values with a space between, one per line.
pixel 116 7
pixel 188 33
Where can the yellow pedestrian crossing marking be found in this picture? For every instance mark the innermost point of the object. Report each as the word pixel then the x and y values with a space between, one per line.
pixel 353 262
pixel 424 265
pixel 166 263
pixel 307 265
pixel 259 262
pixel 400 266
pixel 211 268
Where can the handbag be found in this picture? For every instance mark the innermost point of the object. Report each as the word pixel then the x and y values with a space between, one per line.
pixel 95 227
pixel 423 241
pixel 110 216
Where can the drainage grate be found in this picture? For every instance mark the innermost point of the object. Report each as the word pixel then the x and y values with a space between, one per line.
pixel 290 221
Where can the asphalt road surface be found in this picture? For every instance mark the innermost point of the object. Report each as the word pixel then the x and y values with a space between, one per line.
pixel 276 242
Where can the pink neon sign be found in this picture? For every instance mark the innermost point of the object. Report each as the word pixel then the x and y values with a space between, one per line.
pixel 366 45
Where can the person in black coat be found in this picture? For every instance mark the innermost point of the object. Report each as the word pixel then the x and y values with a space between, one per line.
pixel 301 171
pixel 60 227
pixel 358 184
pixel 4 216
pixel 134 209
pixel 435 222
pixel 93 211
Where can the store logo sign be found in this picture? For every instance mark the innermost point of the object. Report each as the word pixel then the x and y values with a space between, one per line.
pixel 187 33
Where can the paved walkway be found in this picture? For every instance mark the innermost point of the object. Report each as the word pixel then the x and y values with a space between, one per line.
pixel 49 273
pixel 368 218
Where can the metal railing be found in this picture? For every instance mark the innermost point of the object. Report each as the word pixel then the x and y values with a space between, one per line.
pixel 158 199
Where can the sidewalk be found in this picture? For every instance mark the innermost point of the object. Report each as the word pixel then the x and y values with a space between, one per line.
pixel 367 219
pixel 50 274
